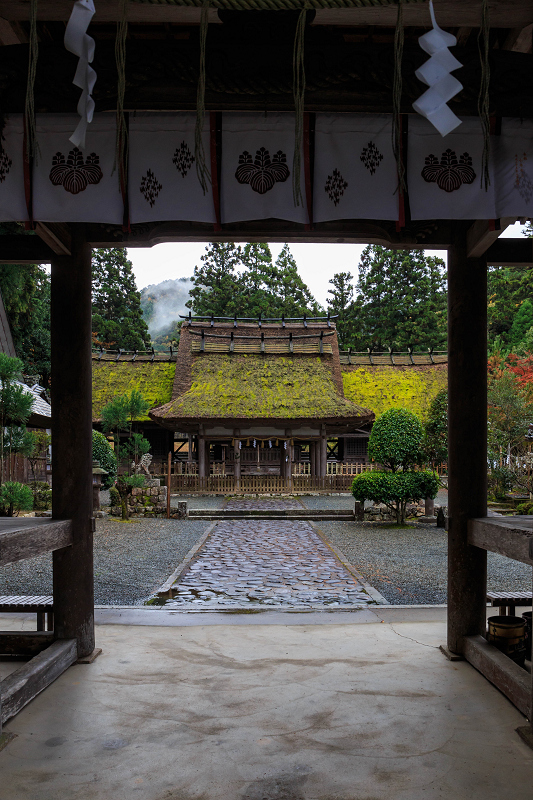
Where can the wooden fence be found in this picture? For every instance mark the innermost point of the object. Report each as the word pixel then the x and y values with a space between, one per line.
pixel 259 484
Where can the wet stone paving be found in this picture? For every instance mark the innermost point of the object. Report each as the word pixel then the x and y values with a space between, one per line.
pixel 264 563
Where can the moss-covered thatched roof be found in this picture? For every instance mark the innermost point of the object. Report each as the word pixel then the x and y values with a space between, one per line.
pixel 267 388
pixel 111 378
pixel 383 387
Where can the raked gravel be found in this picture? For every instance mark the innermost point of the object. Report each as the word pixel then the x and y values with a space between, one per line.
pixel 131 560
pixel 409 565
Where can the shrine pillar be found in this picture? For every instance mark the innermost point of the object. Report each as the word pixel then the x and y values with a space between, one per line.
pixel 467 436
pixel 236 459
pixel 323 454
pixel 312 464
pixel 288 462
pixel 201 453
pixel 72 487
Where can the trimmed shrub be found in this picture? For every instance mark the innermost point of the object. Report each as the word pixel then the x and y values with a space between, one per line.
pixel 42 496
pixel 15 497
pixel 114 497
pixel 104 454
pixel 395 489
pixel 525 508
pixel 396 439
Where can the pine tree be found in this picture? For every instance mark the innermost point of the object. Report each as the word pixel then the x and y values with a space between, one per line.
pixel 117 316
pixel 216 283
pixel 258 282
pixel 341 305
pixel 26 294
pixel 401 300
pixel 294 297
pixel 522 322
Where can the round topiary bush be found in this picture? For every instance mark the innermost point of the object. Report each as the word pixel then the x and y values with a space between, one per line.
pixel 396 440
pixel 395 489
pixel 103 453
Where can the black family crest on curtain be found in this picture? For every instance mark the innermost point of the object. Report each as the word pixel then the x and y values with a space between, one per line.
pixel 150 187
pixel 449 174
pixel 75 174
pixel 5 165
pixel 263 172
pixel 523 183
pixel 183 159
pixel 371 157
pixel 335 186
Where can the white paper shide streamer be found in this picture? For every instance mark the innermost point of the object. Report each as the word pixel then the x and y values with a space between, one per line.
pixel 435 73
pixel 78 42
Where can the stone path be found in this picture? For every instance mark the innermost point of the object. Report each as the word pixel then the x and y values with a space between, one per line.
pixel 265 563
pixel 258 504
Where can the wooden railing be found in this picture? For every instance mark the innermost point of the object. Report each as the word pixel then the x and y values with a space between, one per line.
pixel 259 484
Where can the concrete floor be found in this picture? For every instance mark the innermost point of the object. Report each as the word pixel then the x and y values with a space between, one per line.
pixel 336 711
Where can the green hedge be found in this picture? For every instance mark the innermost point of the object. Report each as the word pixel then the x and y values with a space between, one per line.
pixel 390 487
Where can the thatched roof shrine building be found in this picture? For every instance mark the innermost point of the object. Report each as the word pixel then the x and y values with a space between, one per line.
pixel 246 386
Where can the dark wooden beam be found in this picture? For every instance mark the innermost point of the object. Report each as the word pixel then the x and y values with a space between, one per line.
pixel 508 537
pixel 467 435
pixel 29 680
pixel 451 13
pixel 24 249
pixel 26 538
pixel 72 441
pixel 519 40
pixel 513 681
pixel 510 253
pixel 56 236
pixel 24 643
pixel 483 233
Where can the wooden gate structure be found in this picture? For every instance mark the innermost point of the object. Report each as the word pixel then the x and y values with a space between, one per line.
pixel 350 57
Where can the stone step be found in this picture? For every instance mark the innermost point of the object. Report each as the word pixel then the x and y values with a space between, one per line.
pixel 288 515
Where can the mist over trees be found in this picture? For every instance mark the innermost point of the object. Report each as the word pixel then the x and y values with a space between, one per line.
pixel 162 304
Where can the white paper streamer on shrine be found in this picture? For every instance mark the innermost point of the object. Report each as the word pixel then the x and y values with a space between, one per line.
pixel 435 73
pixel 78 42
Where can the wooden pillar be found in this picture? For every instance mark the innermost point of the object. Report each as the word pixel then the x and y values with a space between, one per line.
pixel 189 444
pixel 201 455
pixel 467 434
pixel 71 391
pixel 288 462
pixel 323 454
pixel 312 450
pixel 237 459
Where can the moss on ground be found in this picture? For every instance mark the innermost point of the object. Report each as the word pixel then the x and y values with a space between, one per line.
pixel 110 379
pixel 269 386
pixel 381 388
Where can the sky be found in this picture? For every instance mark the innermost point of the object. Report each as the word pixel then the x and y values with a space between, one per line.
pixel 317 263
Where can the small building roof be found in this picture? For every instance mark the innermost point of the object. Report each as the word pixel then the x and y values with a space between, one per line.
pixel 154 379
pixel 41 411
pixel 383 386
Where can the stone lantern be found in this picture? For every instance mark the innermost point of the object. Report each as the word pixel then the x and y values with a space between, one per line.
pixel 97 484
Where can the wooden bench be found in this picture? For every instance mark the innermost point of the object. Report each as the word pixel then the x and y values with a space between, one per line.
pixel 507 601
pixel 42 605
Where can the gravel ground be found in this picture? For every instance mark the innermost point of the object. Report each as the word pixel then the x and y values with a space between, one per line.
pixel 130 560
pixel 408 566
pixel 194 502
